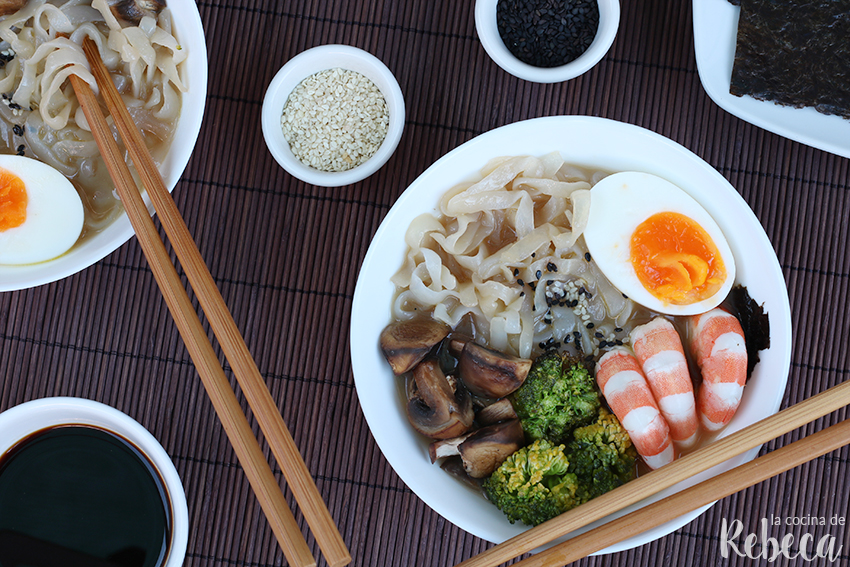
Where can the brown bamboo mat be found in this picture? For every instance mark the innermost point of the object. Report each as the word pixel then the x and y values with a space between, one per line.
pixel 286 257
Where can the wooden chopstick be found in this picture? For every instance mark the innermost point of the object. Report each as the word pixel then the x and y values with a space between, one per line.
pixel 221 321
pixel 651 483
pixel 715 488
pixel 218 387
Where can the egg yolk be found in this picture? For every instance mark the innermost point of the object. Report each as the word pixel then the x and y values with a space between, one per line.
pixel 13 200
pixel 675 259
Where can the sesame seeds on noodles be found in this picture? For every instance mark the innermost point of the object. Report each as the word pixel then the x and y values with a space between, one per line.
pixel 508 252
pixel 335 120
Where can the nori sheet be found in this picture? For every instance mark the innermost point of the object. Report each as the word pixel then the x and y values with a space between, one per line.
pixel 795 53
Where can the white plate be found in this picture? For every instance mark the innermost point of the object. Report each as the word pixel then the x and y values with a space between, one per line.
pixel 190 32
pixel 715 35
pixel 596 143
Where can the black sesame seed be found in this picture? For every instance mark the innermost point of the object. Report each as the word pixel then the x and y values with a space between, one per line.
pixel 520 283
pixel 550 282
pixel 589 325
pixel 516 272
pixel 547 33
pixel 618 342
pixel 588 358
pixel 603 344
pixel 618 329
pixel 551 267
pixel 21 148
pixel 21 152
pixel 577 334
pixel 587 256
pixel 18 130
pixel 522 294
pixel 598 335
pixel 533 254
pixel 538 273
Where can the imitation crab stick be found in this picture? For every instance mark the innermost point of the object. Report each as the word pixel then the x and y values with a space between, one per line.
pixel 659 350
pixel 717 343
pixel 624 386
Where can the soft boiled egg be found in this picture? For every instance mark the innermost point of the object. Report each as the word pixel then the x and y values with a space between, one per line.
pixel 41 214
pixel 658 245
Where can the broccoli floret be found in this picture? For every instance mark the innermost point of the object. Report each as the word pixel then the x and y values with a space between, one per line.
pixel 533 485
pixel 558 395
pixel 601 455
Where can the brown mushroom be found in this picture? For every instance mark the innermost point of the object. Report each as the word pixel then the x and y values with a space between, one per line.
pixel 133 11
pixel 435 408
pixel 406 343
pixel 500 410
pixel 11 6
pixel 483 450
pixel 489 373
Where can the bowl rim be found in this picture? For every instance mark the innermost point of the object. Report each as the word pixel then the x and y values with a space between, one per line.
pixel 379 397
pixel 488 34
pixel 112 237
pixel 26 418
pixel 307 63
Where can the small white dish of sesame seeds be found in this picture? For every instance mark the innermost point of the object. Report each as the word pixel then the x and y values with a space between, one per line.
pixel 490 24
pixel 333 115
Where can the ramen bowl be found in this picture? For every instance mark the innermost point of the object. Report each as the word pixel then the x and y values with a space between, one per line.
pixel 313 61
pixel 597 144
pixel 189 31
pixel 22 422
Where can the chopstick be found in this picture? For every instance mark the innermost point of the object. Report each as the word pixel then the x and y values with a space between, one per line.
pixel 715 488
pixel 218 387
pixel 224 327
pixel 651 483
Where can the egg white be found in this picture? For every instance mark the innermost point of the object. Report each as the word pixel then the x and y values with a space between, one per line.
pixel 618 204
pixel 54 218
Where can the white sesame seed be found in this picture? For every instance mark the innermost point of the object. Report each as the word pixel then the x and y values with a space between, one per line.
pixel 335 120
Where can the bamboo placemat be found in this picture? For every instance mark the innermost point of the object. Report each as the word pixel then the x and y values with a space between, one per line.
pixel 286 256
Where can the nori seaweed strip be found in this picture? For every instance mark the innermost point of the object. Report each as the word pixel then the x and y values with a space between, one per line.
pixel 754 322
pixel 795 53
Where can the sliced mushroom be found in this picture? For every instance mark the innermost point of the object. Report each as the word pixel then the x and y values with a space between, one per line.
pixel 134 10
pixel 11 6
pixel 483 450
pixel 454 466
pixel 490 373
pixel 456 345
pixel 435 409
pixel 406 343
pixel 497 411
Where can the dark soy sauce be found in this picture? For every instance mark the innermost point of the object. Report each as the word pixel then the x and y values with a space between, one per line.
pixel 80 495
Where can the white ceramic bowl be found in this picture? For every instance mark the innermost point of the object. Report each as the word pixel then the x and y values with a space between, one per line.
pixel 190 32
pixel 308 63
pixel 488 33
pixel 21 421
pixel 596 143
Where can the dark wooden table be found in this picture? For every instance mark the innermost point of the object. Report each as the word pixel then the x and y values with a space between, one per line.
pixel 286 256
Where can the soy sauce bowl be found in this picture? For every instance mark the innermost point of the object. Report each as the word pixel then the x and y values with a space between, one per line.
pixel 21 424
pixel 494 45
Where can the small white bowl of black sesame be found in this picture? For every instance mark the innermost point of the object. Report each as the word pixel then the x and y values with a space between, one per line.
pixel 547 41
pixel 333 115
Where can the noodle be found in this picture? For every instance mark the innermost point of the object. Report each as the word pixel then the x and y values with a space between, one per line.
pixel 41 47
pixel 508 253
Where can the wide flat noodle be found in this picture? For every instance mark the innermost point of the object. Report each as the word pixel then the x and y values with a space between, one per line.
pixel 501 240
